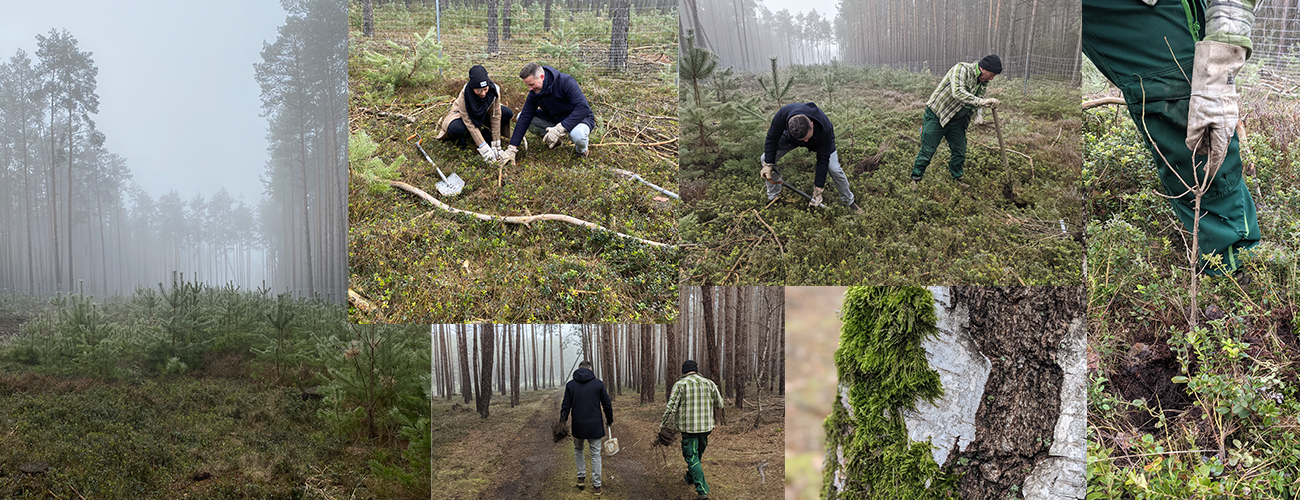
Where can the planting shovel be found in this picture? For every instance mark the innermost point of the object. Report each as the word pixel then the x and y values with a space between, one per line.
pixel 795 189
pixel 611 444
pixel 450 186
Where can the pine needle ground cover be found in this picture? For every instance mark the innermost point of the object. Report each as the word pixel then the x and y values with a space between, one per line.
pixel 203 393
pixel 417 263
pixel 1176 411
pixel 1025 232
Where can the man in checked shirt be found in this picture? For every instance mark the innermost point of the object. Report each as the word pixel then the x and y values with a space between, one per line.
pixel 959 96
pixel 691 409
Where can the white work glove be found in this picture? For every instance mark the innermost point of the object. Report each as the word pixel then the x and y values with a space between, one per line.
pixel 767 171
pixel 553 135
pixel 989 103
pixel 979 119
pixel 1212 112
pixel 816 197
pixel 496 149
pixel 487 153
pixel 508 156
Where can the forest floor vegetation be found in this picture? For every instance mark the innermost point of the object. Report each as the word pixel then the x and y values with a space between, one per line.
pixel 1177 411
pixel 1016 227
pixel 419 264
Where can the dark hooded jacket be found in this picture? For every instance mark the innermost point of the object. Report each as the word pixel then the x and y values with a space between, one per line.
pixel 560 101
pixel 586 396
pixel 822 141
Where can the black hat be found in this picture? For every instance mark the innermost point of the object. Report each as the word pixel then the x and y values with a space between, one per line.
pixel 992 63
pixel 478 77
pixel 690 366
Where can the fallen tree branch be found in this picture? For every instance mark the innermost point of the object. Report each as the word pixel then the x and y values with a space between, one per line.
pixel 525 220
pixel 385 114
pixel 1105 101
pixel 361 303
pixel 635 177
pixel 769 228
pixel 670 141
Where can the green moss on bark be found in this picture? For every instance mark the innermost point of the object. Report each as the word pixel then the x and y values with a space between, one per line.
pixel 882 371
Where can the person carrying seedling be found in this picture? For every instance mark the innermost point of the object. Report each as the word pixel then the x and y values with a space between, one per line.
pixel 555 108
pixel 478 103
pixel 585 395
pixel 692 408
pixel 1175 63
pixel 801 124
pixel 948 112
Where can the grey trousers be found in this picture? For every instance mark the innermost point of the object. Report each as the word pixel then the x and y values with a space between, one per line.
pixel 836 174
pixel 579 134
pixel 594 446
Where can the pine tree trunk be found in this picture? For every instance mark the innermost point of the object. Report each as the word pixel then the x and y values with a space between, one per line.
pixel 607 355
pixel 493 44
pixel 514 369
pixel 466 386
pixel 672 364
pixel 618 35
pixel 488 338
pixel 744 296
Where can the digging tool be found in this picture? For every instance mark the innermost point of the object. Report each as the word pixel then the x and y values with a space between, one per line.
pixel 795 189
pixel 636 177
pixel 449 186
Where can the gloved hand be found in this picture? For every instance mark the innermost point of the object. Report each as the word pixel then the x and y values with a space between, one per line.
pixel 553 135
pixel 989 102
pixel 816 197
pixel 496 148
pixel 767 171
pixel 508 156
pixel 1212 112
pixel 487 153
pixel 979 119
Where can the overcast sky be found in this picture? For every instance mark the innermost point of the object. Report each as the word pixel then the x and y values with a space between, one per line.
pixel 177 97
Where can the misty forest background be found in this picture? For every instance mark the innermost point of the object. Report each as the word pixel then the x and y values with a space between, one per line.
pixel 70 211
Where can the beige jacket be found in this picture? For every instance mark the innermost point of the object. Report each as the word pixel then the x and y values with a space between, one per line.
pixel 458 111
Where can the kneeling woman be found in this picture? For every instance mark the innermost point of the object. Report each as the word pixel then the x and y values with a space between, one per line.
pixel 477 109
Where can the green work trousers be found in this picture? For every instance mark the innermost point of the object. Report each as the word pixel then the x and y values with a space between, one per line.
pixel 693 451
pixel 1126 40
pixel 932 132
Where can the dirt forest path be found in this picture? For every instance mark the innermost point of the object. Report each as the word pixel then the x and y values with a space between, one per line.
pixel 533 466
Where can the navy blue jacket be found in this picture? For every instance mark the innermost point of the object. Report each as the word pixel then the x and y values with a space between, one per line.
pixel 586 396
pixel 822 141
pixel 560 101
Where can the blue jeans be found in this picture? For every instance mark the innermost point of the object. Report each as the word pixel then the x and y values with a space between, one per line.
pixel 578 135
pixel 594 446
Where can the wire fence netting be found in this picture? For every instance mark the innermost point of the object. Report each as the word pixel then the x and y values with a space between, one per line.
pixel 1274 64
pixel 1035 66
pixel 574 36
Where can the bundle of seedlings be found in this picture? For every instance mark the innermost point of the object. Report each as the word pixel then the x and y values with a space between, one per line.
pixel 666 437
pixel 559 430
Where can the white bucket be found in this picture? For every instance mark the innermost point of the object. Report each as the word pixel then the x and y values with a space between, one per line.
pixel 611 444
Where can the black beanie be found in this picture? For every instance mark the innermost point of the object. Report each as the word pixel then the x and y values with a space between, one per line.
pixel 478 77
pixel 690 366
pixel 992 63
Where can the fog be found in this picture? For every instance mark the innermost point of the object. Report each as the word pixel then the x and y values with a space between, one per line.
pixel 144 138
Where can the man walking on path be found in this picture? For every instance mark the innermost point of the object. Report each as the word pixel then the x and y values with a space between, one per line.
pixel 798 125
pixel 949 111
pixel 691 410
pixel 586 397
pixel 1176 62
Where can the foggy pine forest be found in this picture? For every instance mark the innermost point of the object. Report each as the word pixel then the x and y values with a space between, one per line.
pixel 1042 35
pixel 72 217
